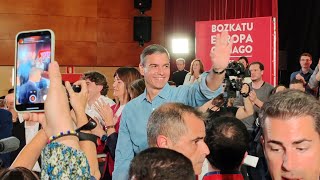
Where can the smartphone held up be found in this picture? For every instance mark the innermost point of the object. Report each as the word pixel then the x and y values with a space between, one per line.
pixel 34 52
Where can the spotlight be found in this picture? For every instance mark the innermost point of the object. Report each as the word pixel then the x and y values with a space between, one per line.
pixel 180 45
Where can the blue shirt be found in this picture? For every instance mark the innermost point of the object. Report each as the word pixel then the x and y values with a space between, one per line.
pixel 133 125
pixel 306 76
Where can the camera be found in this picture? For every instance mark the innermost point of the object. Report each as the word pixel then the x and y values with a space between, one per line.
pixel 235 69
pixel 76 89
pixel 235 72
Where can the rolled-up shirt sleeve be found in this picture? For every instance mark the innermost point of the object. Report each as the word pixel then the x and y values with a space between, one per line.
pixel 206 91
pixel 313 83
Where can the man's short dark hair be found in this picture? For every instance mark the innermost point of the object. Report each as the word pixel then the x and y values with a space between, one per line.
pixel 159 164
pixel 152 49
pixel 11 90
pixel 168 120
pixel 306 54
pixel 261 66
pixel 228 141
pixel 98 79
pixel 288 104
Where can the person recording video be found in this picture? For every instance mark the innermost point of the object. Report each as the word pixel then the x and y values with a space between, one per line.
pixel 221 106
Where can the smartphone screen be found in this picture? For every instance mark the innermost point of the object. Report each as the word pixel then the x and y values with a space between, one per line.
pixel 34 52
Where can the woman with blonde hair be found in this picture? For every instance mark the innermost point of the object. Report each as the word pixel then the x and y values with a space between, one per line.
pixel 196 69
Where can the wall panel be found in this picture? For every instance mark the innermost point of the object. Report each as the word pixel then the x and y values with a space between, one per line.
pixel 84 8
pixel 88 32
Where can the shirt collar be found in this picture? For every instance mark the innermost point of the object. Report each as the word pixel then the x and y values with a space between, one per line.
pixel 310 71
pixel 164 93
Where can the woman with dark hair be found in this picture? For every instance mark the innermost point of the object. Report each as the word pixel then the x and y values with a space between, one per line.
pixel 196 69
pixel 123 77
pixel 244 61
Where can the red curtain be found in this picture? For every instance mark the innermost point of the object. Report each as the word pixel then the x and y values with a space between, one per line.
pixel 181 15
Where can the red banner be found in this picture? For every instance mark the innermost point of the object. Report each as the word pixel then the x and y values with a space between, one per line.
pixel 254 38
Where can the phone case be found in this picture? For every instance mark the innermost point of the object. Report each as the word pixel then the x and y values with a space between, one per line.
pixel 52 53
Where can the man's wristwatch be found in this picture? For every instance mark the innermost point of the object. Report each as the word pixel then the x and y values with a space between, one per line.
pixel 218 72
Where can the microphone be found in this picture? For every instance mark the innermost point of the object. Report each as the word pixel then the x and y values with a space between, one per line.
pixel 9 144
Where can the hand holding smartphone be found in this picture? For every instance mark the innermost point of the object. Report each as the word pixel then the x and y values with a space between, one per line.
pixel 34 52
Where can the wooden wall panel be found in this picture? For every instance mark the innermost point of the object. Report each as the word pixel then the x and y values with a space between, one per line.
pixel 115 30
pixel 122 9
pixel 83 8
pixel 88 32
pixel 65 28
pixel 7 52
pixel 118 54
pixel 79 53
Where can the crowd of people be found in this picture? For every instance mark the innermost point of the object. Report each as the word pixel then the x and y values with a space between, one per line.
pixel 153 130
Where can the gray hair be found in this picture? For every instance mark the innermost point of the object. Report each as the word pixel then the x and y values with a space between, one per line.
pixel 181 59
pixel 168 120
pixel 291 103
pixel 152 49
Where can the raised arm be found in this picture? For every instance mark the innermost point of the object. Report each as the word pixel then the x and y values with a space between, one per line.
pixel 246 110
pixel 315 78
pixel 220 58
pixel 78 102
pixel 31 152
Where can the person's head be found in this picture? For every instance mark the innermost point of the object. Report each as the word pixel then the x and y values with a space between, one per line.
pixel 305 60
pixel 297 84
pixel 256 71
pixel 161 163
pixel 278 88
pixel 11 90
pixel 155 66
pixel 20 173
pixel 2 102
pixel 181 128
pixel 35 74
pixel 136 88
pixel 97 84
pixel 244 61
pixel 290 121
pixel 181 63
pixel 123 77
pixel 228 141
pixel 9 99
pixel 196 66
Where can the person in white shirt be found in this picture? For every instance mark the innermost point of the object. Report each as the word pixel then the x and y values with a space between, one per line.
pixel 196 69
pixel 97 91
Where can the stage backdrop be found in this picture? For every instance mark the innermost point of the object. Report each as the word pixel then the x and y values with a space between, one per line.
pixel 254 38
